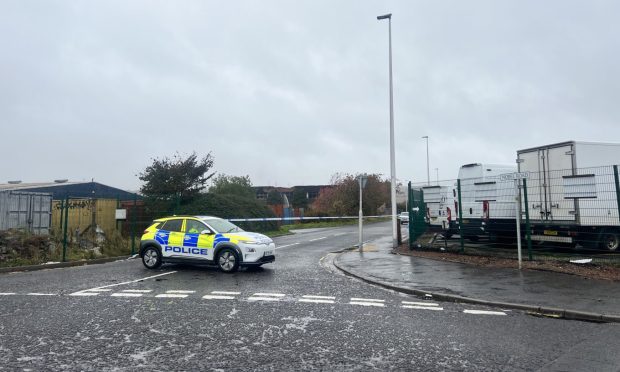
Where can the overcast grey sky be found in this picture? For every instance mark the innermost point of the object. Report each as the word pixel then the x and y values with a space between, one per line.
pixel 290 92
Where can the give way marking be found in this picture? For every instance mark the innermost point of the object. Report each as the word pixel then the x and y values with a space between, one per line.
pixel 99 289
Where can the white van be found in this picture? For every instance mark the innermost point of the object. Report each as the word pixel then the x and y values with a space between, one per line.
pixel 439 202
pixel 488 203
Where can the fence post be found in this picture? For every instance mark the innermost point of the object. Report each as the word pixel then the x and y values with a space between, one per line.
pixel 118 205
pixel 617 189
pixel 64 228
pixel 133 225
pixel 458 187
pixel 528 230
pixel 410 211
pixel 177 203
pixel 62 211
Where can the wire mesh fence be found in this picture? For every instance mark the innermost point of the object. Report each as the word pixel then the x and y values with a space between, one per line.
pixel 567 214
pixel 87 228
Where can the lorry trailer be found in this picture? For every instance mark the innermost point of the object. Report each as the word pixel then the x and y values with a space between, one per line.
pixel 573 193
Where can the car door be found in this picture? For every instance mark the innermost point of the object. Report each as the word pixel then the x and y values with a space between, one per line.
pixel 198 240
pixel 170 236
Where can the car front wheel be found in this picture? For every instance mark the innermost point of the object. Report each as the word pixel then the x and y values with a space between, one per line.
pixel 151 258
pixel 227 260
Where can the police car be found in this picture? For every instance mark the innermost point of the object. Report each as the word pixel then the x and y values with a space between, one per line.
pixel 203 240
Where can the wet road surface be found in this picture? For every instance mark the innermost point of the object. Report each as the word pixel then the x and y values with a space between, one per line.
pixel 299 313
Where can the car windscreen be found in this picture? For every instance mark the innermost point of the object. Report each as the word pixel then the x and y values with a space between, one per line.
pixel 222 226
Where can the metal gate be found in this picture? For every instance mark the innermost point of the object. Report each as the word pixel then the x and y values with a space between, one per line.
pixel 30 211
pixel 417 212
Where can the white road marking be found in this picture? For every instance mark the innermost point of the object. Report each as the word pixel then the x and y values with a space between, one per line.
pixel 121 294
pixel 269 294
pixel 422 307
pixel 319 297
pixel 378 304
pixel 181 291
pixel 263 299
pixel 318 301
pixel 41 294
pixel 129 282
pixel 7 293
pixel 98 290
pixel 484 312
pixel 84 294
pixel 314 240
pixel 420 303
pixel 226 293
pixel 218 297
pixel 137 290
pixel 341 234
pixel 288 245
pixel 171 295
pixel 366 300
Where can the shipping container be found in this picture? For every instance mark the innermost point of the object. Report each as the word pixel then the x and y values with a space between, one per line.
pixel 27 211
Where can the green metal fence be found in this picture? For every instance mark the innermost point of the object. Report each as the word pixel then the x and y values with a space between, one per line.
pixel 563 215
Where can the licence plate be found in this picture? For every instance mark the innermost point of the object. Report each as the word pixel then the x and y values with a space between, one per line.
pixel 268 253
pixel 550 232
pixel 465 221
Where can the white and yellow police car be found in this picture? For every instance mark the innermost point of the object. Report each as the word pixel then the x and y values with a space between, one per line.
pixel 203 240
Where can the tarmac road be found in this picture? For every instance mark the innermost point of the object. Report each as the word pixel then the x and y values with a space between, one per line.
pixel 299 313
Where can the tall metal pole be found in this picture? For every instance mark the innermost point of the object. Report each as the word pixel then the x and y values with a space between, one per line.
pixel 392 156
pixel 428 172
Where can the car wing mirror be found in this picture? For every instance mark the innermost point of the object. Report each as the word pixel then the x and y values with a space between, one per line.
pixel 205 232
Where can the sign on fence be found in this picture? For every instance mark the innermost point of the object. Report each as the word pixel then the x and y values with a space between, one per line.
pixel 514 176
pixel 121 214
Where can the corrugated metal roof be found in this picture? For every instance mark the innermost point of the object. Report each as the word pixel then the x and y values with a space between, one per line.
pixel 20 186
pixel 88 189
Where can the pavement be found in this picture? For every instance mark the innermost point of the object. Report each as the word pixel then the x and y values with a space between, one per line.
pixel 547 293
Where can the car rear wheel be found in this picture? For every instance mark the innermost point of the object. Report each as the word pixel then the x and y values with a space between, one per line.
pixel 151 258
pixel 227 260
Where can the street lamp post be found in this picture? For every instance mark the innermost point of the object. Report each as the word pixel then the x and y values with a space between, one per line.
pixel 392 156
pixel 428 172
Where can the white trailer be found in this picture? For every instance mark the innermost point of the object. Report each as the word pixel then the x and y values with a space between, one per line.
pixel 439 202
pixel 487 200
pixel 572 193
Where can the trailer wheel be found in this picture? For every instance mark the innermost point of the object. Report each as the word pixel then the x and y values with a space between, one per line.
pixel 610 240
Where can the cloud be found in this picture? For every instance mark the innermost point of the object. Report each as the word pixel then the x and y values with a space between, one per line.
pixel 290 93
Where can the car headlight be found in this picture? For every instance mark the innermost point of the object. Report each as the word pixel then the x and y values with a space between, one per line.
pixel 249 241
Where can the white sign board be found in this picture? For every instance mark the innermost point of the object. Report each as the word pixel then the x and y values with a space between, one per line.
pixel 121 214
pixel 514 176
